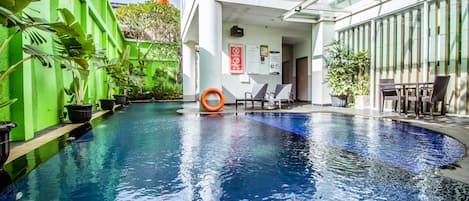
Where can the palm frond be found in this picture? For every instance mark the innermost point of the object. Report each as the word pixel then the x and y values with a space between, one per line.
pixel 7 103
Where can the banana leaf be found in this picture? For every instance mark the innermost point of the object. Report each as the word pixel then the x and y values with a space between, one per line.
pixel 14 6
pixel 7 103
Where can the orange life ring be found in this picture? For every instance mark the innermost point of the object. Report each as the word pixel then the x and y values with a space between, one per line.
pixel 204 101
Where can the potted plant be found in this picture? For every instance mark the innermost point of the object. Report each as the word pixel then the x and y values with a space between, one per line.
pixel 361 87
pixel 75 49
pixel 340 73
pixel 362 93
pixel 20 24
pixel 108 103
pixel 108 66
pixel 121 73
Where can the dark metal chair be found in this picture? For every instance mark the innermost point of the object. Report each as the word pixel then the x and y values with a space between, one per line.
pixel 433 94
pixel 256 95
pixel 388 91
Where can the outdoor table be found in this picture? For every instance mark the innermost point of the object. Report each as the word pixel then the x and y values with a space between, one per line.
pixel 405 87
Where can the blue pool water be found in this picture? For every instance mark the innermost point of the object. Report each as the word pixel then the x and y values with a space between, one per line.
pixel 149 152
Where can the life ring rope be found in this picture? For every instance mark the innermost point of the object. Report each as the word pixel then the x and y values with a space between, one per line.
pixel 203 100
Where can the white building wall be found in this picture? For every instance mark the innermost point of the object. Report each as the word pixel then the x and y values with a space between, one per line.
pixel 322 35
pixel 188 70
pixel 210 38
pixel 257 35
pixel 188 9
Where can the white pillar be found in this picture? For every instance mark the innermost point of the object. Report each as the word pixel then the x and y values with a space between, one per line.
pixel 374 83
pixel 210 42
pixel 322 35
pixel 188 70
pixel 425 40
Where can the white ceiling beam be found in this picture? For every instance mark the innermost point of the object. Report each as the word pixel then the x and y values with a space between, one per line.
pixel 288 15
pixel 277 4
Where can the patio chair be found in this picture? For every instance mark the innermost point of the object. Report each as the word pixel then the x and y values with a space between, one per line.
pixel 282 93
pixel 256 95
pixel 389 92
pixel 436 93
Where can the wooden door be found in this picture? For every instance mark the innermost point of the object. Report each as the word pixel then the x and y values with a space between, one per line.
pixel 302 79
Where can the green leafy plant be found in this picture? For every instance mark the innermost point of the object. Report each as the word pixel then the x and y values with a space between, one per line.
pixel 121 71
pixel 155 28
pixel 27 25
pixel 75 49
pixel 362 86
pixel 347 70
pixel 167 82
pixel 150 21
pixel 108 66
pixel 361 62
pixel 341 71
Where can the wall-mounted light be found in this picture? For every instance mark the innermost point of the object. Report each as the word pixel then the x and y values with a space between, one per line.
pixel 298 9
pixel 237 31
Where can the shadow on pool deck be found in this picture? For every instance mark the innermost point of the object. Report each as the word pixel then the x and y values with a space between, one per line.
pixel 451 125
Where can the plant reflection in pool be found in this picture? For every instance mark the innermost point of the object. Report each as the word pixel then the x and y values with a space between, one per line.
pixel 411 148
pixel 149 152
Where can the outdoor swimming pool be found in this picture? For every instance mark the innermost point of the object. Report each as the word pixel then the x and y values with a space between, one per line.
pixel 149 152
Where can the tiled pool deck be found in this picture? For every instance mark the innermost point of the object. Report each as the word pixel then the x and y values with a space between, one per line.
pixel 457 127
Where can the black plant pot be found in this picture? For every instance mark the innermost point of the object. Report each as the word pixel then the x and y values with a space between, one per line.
pixel 79 113
pixel 339 101
pixel 5 128
pixel 121 99
pixel 107 104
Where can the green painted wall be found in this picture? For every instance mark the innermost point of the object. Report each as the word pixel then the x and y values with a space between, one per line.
pixel 4 60
pixel 40 90
pixel 162 55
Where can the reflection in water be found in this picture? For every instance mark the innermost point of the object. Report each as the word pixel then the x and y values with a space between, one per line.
pixel 149 152
pixel 5 179
pixel 411 148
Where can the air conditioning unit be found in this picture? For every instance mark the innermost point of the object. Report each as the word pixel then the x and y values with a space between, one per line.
pixel 237 32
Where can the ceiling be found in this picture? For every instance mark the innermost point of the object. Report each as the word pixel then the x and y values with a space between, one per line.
pixel 326 9
pixel 248 14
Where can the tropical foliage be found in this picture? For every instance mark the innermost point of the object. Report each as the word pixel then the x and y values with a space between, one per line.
pixel 120 72
pixel 155 28
pixel 361 62
pixel 150 21
pixel 29 26
pixel 167 82
pixel 75 49
pixel 346 70
pixel 340 72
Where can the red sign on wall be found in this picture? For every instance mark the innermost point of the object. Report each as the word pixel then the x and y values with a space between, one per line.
pixel 236 58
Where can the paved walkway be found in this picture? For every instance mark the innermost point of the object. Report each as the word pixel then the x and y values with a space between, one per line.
pixel 19 149
pixel 454 126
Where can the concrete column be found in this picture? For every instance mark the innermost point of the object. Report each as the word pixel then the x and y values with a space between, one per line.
pixel 21 87
pixel 188 70
pixel 373 82
pixel 425 40
pixel 322 35
pixel 210 42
